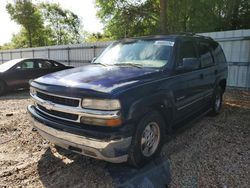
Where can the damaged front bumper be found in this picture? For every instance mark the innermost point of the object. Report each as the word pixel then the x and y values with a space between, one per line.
pixel 115 151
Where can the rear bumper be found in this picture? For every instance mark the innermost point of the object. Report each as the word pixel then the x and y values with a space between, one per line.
pixel 115 151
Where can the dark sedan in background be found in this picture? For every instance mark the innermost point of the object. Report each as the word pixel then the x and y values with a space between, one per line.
pixel 17 73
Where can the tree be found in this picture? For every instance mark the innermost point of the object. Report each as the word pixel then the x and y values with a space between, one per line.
pixel 95 37
pixel 163 16
pixel 26 14
pixel 128 18
pixel 63 25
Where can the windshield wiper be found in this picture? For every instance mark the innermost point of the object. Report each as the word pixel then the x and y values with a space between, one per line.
pixel 130 64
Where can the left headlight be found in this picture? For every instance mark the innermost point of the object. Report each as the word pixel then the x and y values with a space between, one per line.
pixel 101 104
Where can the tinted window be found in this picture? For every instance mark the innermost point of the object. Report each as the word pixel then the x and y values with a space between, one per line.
pixel 218 53
pixel 205 55
pixel 187 50
pixel 56 64
pixel 44 64
pixel 26 65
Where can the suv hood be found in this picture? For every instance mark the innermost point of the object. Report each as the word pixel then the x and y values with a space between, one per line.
pixel 97 77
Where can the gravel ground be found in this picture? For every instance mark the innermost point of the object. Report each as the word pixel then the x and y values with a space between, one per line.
pixel 212 152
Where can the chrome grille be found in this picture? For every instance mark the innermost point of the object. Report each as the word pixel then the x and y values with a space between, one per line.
pixel 56 106
pixel 58 100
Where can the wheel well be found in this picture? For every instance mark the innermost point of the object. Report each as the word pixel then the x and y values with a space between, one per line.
pixel 222 84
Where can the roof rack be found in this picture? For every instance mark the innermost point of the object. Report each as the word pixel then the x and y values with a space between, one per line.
pixel 187 33
pixel 194 34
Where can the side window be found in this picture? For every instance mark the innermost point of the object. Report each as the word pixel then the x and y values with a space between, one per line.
pixel 218 53
pixel 55 64
pixel 205 55
pixel 187 50
pixel 26 65
pixel 221 56
pixel 44 65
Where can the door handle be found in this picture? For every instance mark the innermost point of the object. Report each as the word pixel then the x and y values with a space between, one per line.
pixel 216 72
pixel 201 76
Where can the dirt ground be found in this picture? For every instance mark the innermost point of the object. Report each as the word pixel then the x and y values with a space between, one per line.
pixel 213 152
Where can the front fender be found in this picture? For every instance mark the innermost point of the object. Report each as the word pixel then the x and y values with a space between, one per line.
pixel 140 107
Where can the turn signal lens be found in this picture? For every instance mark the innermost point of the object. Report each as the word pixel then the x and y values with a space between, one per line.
pixel 101 122
pixel 113 122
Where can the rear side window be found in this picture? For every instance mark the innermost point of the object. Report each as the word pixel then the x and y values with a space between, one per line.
pixel 55 64
pixel 44 64
pixel 205 54
pixel 218 53
pixel 187 50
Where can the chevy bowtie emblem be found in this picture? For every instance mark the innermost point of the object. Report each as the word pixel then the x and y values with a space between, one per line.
pixel 48 105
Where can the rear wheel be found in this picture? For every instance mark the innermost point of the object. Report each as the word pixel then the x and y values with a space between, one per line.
pixel 217 101
pixel 147 140
pixel 2 87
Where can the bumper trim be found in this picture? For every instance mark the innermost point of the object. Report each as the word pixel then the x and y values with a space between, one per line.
pixel 113 151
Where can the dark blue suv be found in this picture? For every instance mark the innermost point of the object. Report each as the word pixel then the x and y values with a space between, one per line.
pixel 121 106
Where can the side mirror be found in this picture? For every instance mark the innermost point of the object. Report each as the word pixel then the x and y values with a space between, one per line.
pixel 189 64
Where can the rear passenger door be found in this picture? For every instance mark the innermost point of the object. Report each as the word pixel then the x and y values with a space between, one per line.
pixel 208 68
pixel 44 67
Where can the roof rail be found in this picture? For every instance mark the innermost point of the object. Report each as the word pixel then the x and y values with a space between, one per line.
pixel 195 34
pixel 187 33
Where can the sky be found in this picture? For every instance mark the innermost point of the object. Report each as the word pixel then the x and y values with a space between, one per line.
pixel 85 9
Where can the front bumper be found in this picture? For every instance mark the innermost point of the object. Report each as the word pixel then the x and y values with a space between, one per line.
pixel 115 151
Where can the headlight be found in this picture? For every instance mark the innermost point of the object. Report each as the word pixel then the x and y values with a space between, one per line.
pixel 101 104
pixel 32 91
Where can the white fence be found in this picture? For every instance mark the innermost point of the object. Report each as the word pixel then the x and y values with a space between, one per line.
pixel 236 45
pixel 73 55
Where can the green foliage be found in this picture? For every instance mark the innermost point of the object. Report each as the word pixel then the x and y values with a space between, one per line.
pixel 95 37
pixel 127 18
pixel 42 25
pixel 49 24
pixel 64 25
pixel 27 15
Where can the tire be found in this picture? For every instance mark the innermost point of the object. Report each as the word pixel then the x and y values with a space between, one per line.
pixel 2 87
pixel 217 101
pixel 147 139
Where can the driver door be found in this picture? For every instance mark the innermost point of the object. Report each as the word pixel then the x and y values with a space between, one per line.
pixel 190 98
pixel 22 73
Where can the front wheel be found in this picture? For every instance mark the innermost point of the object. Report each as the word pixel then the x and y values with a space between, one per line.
pixel 217 101
pixel 147 140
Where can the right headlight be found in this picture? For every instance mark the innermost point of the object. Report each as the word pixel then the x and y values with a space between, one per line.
pixel 101 104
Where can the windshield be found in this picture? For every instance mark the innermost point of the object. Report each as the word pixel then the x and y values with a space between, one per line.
pixel 7 65
pixel 141 53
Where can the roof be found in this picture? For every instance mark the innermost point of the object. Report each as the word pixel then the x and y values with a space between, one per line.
pixel 171 36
